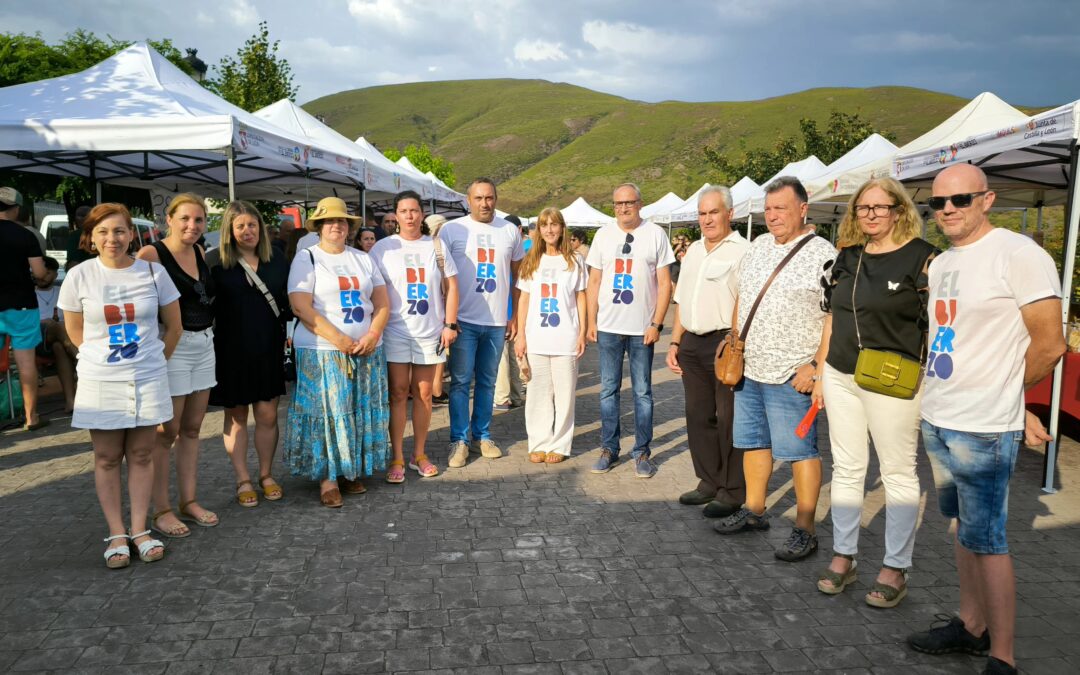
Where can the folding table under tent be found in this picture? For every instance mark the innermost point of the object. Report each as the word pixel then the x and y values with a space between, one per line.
pixel 580 214
pixel 136 119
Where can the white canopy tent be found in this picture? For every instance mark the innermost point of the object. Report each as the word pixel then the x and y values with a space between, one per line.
pixel 804 170
pixel 683 213
pixel 399 179
pixel 661 206
pixel 580 214
pixel 742 195
pixel 136 119
pixel 845 175
pixel 445 193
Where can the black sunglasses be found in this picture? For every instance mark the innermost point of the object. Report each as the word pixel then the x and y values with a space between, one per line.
pixel 200 288
pixel 960 201
pixel 626 244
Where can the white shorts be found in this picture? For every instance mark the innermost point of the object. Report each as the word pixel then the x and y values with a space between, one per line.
pixel 121 405
pixel 411 350
pixel 191 366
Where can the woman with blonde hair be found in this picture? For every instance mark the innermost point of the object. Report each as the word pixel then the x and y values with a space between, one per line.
pixel 112 305
pixel 876 296
pixel 551 333
pixel 250 312
pixel 191 366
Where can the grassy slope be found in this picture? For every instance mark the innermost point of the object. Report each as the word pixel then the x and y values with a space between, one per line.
pixel 548 143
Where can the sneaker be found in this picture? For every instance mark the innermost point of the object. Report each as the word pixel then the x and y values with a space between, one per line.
pixel 799 544
pixel 743 519
pixel 644 468
pixel 948 635
pixel 501 406
pixel 459 454
pixel 995 666
pixel 440 401
pixel 605 462
pixel 487 448
pixel 694 498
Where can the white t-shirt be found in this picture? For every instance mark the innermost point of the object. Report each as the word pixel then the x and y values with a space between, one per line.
pixel 482 254
pixel 786 330
pixel 414 286
pixel 46 301
pixel 120 319
pixel 628 283
pixel 552 323
pixel 340 285
pixel 975 366
pixel 307 241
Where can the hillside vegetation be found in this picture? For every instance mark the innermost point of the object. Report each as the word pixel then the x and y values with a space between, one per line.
pixel 548 143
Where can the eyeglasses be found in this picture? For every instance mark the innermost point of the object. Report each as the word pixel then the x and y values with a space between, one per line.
pixel 626 205
pixel 626 244
pixel 960 201
pixel 879 210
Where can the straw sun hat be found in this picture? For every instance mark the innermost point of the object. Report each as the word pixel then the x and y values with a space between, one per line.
pixel 329 207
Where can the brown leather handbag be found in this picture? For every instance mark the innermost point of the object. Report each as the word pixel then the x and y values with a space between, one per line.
pixel 729 359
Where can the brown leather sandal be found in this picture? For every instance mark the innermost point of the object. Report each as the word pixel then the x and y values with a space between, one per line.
pixel 537 457
pixel 246 498
pixel 331 499
pixel 351 487
pixel 554 458
pixel 273 492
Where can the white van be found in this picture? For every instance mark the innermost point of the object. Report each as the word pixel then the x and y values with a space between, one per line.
pixel 55 230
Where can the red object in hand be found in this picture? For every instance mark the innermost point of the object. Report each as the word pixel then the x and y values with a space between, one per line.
pixel 807 421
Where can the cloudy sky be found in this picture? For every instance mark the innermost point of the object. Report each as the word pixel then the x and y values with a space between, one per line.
pixel 693 50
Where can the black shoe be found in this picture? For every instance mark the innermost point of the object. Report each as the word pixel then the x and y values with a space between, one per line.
pixel 799 544
pixel 719 509
pixel 439 401
pixel 949 637
pixel 995 666
pixel 742 520
pixel 694 498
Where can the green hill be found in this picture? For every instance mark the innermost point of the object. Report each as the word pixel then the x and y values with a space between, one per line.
pixel 547 143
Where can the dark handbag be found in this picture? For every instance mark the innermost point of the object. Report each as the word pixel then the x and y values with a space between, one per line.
pixel 729 359
pixel 883 372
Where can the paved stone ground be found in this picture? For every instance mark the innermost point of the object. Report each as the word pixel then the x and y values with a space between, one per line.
pixel 500 567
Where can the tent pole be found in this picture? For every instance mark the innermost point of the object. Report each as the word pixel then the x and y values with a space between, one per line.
pixel 1069 267
pixel 363 207
pixel 1038 219
pixel 749 220
pixel 230 158
pixel 94 180
pixel 1023 222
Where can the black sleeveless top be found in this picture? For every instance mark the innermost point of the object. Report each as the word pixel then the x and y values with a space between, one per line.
pixel 196 295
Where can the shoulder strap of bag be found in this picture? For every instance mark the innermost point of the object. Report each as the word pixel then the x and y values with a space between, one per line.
pixel 258 283
pixel 313 270
pixel 745 328
pixel 854 309
pixel 440 259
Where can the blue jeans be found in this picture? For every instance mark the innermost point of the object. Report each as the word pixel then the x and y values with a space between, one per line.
pixel 972 473
pixel 475 354
pixel 612 347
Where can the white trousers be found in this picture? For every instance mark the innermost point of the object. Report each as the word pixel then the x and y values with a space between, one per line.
pixel 894 425
pixel 549 403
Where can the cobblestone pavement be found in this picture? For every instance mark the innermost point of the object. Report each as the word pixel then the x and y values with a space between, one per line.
pixel 500 567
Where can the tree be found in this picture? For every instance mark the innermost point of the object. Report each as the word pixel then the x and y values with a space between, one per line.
pixel 257 76
pixel 423 159
pixel 842 133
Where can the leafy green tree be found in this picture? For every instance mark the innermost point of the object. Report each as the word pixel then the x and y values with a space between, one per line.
pixel 424 160
pixel 257 76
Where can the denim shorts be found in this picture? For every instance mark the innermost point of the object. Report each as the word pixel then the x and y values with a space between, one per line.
pixel 972 473
pixel 766 416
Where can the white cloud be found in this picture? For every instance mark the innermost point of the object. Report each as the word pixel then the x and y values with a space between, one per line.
pixel 538 50
pixel 634 42
pixel 911 41
pixel 370 12
pixel 243 13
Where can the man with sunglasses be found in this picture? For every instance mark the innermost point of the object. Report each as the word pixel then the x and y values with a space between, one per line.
pixel 628 295
pixel 995 330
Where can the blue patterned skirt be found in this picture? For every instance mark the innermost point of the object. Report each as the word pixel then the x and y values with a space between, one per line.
pixel 339 415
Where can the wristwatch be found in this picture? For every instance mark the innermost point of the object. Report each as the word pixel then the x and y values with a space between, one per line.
pixel 452 326
pixel 658 326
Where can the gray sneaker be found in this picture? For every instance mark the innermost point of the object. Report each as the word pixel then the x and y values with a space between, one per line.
pixel 799 544
pixel 742 520
pixel 487 448
pixel 459 454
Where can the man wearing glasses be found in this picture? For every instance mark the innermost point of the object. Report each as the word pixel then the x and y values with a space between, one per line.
pixel 628 295
pixel 995 330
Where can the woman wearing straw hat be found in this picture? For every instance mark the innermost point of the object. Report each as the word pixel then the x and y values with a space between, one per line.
pixel 336 430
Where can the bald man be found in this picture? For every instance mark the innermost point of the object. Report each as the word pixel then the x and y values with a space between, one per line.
pixel 995 330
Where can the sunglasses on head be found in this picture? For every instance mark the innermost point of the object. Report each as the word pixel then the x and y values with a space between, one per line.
pixel 626 244
pixel 960 201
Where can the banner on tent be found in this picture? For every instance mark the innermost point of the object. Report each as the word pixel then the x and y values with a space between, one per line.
pixel 272 147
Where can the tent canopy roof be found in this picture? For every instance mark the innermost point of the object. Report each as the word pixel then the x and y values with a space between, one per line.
pixel 581 214
pixel 661 206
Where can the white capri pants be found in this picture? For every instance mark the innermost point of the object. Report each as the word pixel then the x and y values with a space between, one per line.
pixel 549 403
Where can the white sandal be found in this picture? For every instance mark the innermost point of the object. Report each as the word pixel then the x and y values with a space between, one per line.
pixel 147 546
pixel 112 555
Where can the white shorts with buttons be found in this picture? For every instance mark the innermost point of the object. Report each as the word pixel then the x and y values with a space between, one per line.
pixel 192 364
pixel 411 350
pixel 121 405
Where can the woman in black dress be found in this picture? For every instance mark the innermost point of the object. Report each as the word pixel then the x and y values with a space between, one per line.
pixel 249 340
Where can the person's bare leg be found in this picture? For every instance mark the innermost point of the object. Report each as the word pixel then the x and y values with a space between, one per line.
pixel 398 376
pixel 757 469
pixel 187 452
pixel 139 449
pixel 266 435
pixel 108 454
pixel 437 381
pixel 807 478
pixel 235 436
pixel 55 337
pixel 162 458
pixel 997 585
pixel 28 379
pixel 421 386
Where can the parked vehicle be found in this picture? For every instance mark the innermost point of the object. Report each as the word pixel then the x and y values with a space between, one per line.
pixel 56 231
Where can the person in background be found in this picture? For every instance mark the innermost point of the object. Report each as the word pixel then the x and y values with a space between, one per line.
pixel 387 227
pixel 422 325
pixel 551 332
pixel 54 339
pixel 112 306
pixel 578 240
pixel 336 429
pixel 439 397
pixel 250 312
pixel 77 244
pixel 190 367
pixel 876 296
pixel 509 389
pixel 365 240
pixel 21 264
pixel 704 305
